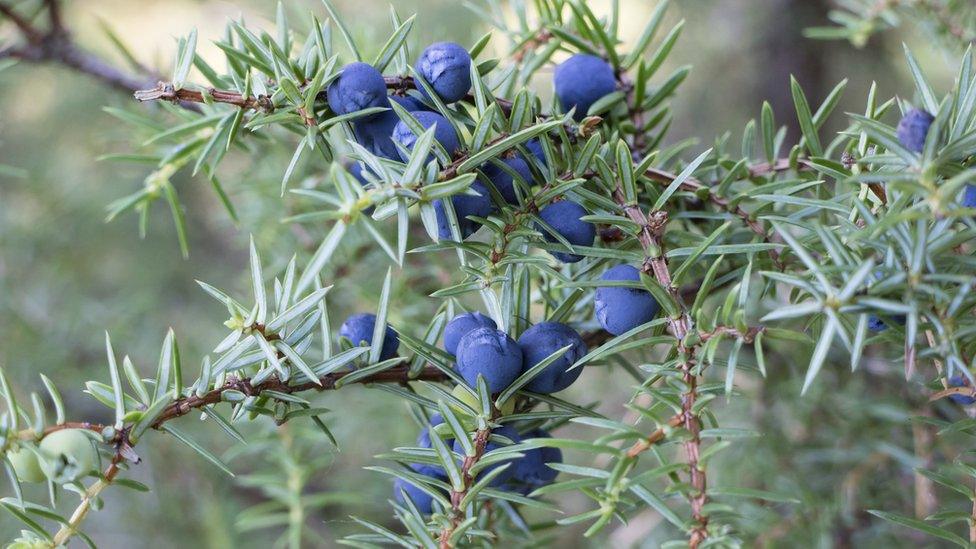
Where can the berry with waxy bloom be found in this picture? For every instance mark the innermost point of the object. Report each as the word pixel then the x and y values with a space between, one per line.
pixel 464 205
pixel 564 217
pixel 541 341
pixel 443 133
pixel 533 470
pixel 460 325
pixel 913 129
pixel 358 329
pixel 503 181
pixel 581 80
pixel 446 66
pixel 359 86
pixel 492 354
pixel 619 308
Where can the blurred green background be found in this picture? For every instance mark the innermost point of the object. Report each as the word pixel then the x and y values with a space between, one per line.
pixel 66 275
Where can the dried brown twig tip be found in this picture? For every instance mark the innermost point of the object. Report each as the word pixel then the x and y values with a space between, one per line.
pixel 165 91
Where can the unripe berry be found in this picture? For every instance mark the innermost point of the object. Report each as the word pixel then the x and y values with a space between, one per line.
pixel 26 465
pixel 564 218
pixel 503 180
pixel 960 381
pixel 533 471
pixel 68 455
pixel 581 80
pixel 491 354
pixel 24 543
pixel 465 396
pixel 464 205
pixel 913 128
pixel 544 339
pixel 506 475
pixel 359 86
pixel 620 309
pixel 446 66
pixel 444 133
pixel 358 329
pixel 460 325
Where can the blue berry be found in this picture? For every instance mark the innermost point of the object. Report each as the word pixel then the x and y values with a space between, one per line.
pixel 533 471
pixel 503 180
pixel 375 133
pixel 540 341
pixel 420 498
pixel 620 309
pixel 960 381
pixel 506 475
pixel 535 147
pixel 492 354
pixel 444 133
pixel 358 329
pixel 581 80
pixel 969 197
pixel 410 103
pixel 564 218
pixel 913 128
pixel 876 324
pixel 460 325
pixel 356 169
pixel 446 66
pixel 359 86
pixel 423 441
pixel 464 205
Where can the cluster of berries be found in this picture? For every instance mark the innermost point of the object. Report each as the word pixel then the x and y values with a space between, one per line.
pixel 62 456
pixel 912 132
pixel 479 347
pixel 446 69
pixel 482 350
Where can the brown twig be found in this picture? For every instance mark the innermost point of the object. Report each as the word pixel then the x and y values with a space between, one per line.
pixel 747 336
pixel 540 38
pixel 31 33
pixel 655 437
pixel 695 186
pixel 55 45
pixel 164 91
pixel 185 405
pixel 480 443
pixel 400 84
pixel 651 238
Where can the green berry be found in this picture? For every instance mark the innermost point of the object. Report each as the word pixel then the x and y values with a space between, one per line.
pixel 465 396
pixel 26 465
pixel 67 455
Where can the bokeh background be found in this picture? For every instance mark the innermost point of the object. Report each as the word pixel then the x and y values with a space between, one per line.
pixel 66 275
